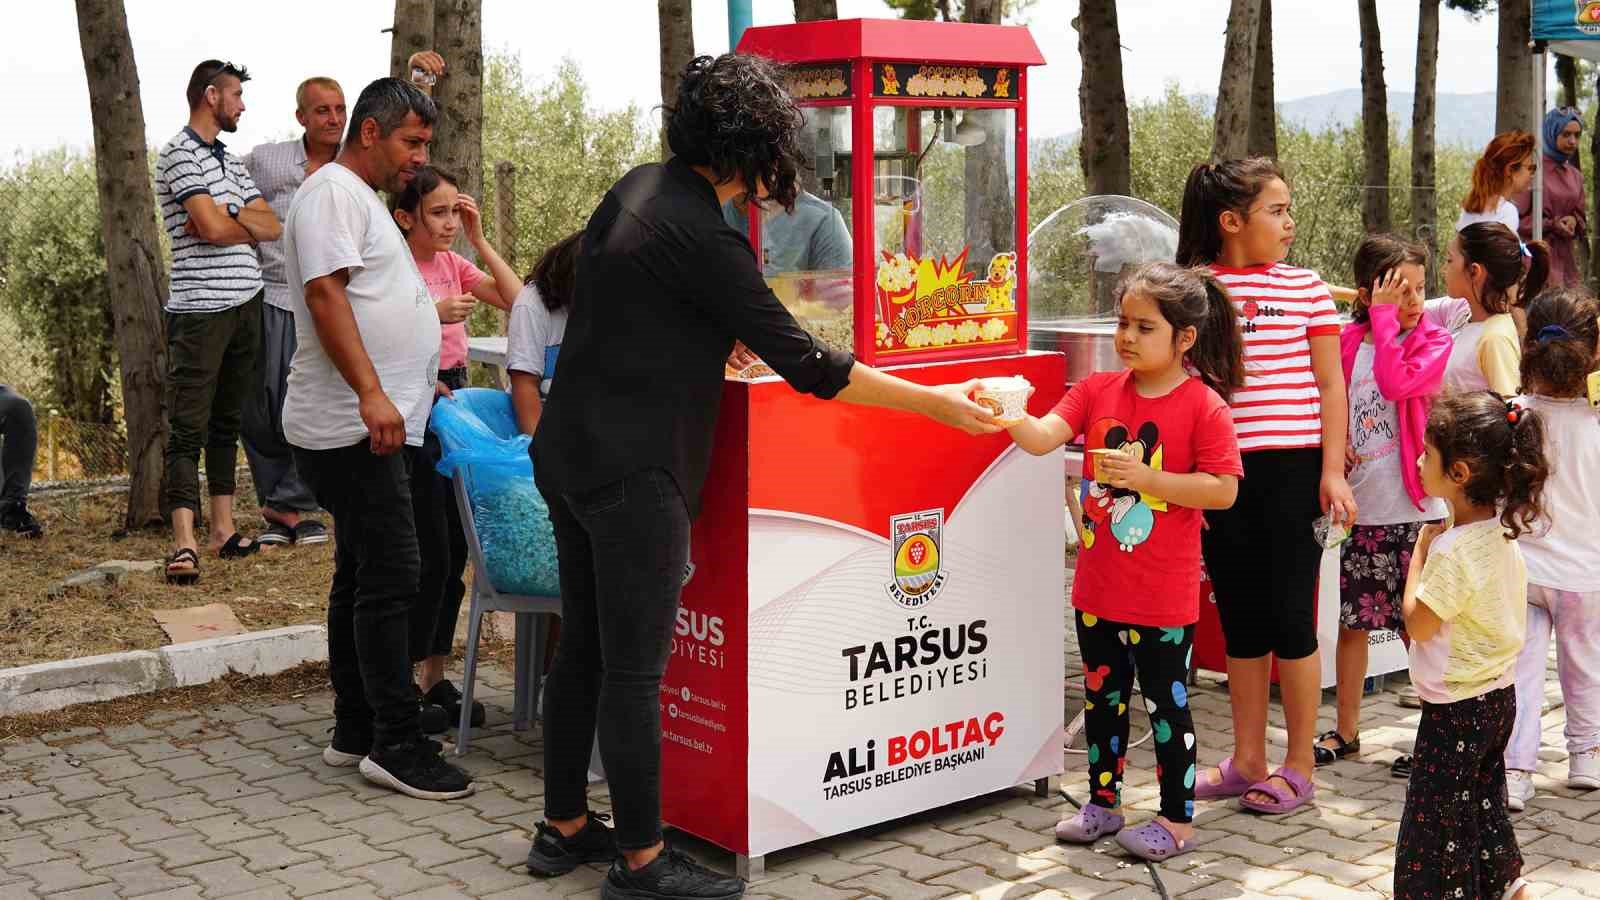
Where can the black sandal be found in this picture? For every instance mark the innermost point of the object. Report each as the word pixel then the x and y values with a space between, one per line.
pixel 1341 749
pixel 191 575
pixel 235 548
pixel 1401 767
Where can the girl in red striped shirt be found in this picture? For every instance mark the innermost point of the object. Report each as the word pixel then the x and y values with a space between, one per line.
pixel 1291 417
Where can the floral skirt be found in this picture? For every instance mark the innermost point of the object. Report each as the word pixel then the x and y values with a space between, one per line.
pixel 1372 575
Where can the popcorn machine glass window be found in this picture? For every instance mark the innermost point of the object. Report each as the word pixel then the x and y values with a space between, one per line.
pixel 806 253
pixel 944 212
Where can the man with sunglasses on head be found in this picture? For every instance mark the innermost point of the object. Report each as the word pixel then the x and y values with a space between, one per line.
pixel 214 215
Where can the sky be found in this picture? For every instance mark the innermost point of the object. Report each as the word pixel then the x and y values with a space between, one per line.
pixel 614 42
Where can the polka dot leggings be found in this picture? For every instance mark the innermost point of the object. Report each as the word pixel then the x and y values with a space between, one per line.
pixel 1112 652
pixel 1455 837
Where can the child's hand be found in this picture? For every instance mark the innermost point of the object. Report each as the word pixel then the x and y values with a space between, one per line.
pixel 1425 539
pixel 1390 288
pixel 455 309
pixel 1124 472
pixel 1338 502
pixel 471 218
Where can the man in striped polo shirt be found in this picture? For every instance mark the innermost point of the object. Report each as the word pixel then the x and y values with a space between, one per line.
pixel 214 216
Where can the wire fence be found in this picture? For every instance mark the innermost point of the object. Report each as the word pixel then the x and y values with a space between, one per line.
pixel 57 339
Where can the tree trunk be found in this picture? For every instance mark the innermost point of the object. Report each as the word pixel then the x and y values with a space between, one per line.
pixel 675 21
pixel 990 224
pixel 1232 138
pixel 412 31
pixel 1102 101
pixel 1567 75
pixel 458 136
pixel 1374 124
pixel 135 268
pixel 1514 92
pixel 1263 102
pixel 1424 195
pixel 812 10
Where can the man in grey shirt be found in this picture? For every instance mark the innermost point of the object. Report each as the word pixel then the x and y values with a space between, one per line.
pixel 278 170
pixel 812 238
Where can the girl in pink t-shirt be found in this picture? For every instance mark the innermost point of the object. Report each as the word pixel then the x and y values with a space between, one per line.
pixel 1160 448
pixel 432 212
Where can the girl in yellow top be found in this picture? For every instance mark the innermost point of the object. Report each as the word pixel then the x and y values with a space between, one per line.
pixel 1465 608
pixel 1485 275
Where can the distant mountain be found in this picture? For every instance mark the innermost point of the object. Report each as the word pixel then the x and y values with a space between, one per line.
pixel 1463 119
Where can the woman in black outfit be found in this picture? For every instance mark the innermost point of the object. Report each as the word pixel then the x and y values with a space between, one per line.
pixel 665 287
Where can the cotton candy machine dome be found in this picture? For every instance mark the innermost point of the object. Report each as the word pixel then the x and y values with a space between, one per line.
pixel 1076 255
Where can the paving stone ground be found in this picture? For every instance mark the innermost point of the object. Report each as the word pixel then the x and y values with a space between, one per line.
pixel 235 801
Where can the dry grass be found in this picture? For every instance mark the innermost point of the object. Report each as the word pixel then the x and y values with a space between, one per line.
pixel 295 683
pixel 273 588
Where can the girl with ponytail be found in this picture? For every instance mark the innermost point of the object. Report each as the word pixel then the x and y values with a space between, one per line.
pixel 1291 415
pixel 1561 349
pixel 1465 608
pixel 1160 448
pixel 1394 359
pixel 1487 269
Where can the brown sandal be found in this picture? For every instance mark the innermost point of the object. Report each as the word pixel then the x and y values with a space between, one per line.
pixel 183 567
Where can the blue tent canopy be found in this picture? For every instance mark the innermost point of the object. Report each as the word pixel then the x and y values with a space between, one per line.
pixel 1570 27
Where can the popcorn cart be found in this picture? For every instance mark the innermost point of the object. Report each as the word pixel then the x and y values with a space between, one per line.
pixel 871 623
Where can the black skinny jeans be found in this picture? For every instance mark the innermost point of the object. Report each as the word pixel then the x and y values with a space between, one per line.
pixel 375 577
pixel 622 548
pixel 442 543
pixel 19 441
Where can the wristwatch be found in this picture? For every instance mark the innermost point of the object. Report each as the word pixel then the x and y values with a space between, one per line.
pixel 233 210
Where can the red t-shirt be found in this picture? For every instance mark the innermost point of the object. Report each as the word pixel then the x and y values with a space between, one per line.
pixel 1139 561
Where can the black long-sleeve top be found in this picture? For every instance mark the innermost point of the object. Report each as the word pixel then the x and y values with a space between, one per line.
pixel 664 286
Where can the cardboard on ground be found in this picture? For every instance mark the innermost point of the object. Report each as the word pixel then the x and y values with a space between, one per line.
pixel 197 623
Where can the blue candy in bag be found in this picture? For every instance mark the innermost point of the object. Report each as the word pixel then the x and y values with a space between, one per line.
pixel 478 435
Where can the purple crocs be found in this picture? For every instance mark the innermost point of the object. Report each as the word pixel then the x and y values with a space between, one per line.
pixel 1153 843
pixel 1090 824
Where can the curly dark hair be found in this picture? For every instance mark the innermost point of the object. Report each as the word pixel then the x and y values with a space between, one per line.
pixel 733 115
pixel 555 275
pixel 1502 445
pixel 1559 350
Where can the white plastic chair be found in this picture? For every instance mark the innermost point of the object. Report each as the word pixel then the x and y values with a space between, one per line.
pixel 530 633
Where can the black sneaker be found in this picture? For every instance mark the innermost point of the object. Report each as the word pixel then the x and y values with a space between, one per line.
pixel 552 854
pixel 415 768
pixel 1401 767
pixel 445 694
pixel 349 746
pixel 431 717
pixel 17 518
pixel 670 876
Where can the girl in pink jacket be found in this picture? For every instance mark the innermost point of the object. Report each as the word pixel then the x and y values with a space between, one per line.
pixel 1394 362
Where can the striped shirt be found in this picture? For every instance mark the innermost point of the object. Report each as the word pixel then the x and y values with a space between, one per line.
pixel 205 277
pixel 1280 309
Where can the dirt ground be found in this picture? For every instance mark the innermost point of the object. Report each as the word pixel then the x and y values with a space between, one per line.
pixel 275 587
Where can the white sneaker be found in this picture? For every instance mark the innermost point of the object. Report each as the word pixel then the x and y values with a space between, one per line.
pixel 1409 698
pixel 1583 769
pixel 1519 789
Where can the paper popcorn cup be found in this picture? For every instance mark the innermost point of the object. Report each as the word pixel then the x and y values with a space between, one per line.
pixel 1006 398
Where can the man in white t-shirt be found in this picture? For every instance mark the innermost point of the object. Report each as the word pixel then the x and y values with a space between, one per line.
pixel 360 389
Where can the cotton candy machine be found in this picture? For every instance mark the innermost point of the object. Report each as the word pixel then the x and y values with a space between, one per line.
pixel 1075 258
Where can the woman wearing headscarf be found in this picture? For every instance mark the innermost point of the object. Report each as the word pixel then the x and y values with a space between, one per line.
pixel 1565 223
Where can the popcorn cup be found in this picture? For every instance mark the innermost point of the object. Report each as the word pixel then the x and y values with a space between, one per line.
pixel 1006 398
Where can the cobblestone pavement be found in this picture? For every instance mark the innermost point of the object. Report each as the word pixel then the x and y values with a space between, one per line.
pixel 234 801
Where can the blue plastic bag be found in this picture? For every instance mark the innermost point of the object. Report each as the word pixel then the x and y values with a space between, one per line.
pixel 478 436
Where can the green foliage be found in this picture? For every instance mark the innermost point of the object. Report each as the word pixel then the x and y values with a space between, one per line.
pixel 55 304
pixel 567 155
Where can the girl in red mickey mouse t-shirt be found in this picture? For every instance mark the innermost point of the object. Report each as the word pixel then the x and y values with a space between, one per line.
pixel 1160 447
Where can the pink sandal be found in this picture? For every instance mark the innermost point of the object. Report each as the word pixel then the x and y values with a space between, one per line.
pixel 1303 791
pixel 1232 784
